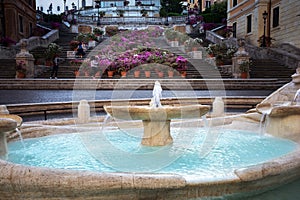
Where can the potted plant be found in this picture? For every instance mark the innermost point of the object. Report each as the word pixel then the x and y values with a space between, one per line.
pixel 192 44
pixel 211 50
pixel 144 13
pixel 98 31
pixel 73 44
pixel 111 70
pixel 244 68
pixel 21 69
pixel 147 68
pixel 137 72
pixel 52 50
pixel 120 13
pixel 102 13
pixel 122 71
pixel 268 41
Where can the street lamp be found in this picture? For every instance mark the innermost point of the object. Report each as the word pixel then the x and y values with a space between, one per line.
pixel 265 15
pixel 167 19
pixel 98 6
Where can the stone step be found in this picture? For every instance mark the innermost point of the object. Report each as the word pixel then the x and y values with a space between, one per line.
pixel 7 68
pixel 128 83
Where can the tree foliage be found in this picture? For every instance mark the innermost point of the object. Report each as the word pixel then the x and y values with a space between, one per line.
pixel 174 6
pixel 216 13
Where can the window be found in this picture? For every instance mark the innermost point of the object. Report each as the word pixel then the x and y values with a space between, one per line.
pixel 58 8
pixel 30 2
pixel 21 30
pixel 234 3
pixel 207 4
pixel 30 29
pixel 249 23
pixel 42 8
pixel 234 30
pixel 275 17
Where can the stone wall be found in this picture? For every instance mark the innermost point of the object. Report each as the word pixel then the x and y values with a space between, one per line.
pixel 289 24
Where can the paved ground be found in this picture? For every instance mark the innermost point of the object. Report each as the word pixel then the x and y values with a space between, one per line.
pixel 41 96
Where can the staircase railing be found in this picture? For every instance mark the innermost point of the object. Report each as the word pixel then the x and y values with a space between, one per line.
pixel 32 43
pixel 213 37
pixel 131 20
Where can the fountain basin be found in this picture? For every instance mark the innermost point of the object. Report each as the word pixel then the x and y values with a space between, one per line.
pixel 27 182
pixel 156 121
pixel 16 118
pixel 157 114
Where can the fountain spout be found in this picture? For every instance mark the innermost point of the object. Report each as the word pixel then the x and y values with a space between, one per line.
pixel 296 99
pixel 156 118
pixel 155 101
pixel 6 125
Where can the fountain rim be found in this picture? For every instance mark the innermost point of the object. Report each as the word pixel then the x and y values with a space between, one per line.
pixel 131 112
pixel 279 167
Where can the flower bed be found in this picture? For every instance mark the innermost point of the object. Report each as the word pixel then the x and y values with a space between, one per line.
pixel 131 49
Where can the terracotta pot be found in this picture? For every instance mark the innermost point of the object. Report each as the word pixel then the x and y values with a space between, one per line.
pixel 170 73
pixel 137 73
pixel 98 74
pixel 123 74
pixel 244 74
pixel 77 73
pixel 183 74
pixel 160 74
pixel 20 75
pixel 110 74
pixel 147 74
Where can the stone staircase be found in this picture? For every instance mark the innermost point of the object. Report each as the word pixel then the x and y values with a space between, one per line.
pixel 7 68
pixel 65 69
pixel 197 68
pixel 266 68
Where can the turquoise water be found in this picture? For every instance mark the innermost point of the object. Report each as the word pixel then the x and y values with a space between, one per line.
pixel 209 154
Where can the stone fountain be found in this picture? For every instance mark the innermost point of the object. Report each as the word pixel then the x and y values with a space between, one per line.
pixel 282 109
pixel 156 118
pixel 8 123
pixel 16 180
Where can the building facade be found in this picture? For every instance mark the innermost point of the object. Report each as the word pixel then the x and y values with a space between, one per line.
pixel 201 4
pixel 18 18
pixel 129 8
pixel 281 24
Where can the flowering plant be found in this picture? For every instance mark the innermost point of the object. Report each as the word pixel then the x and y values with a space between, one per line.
pixel 98 31
pixel 52 50
pixel 131 49
pixel 6 41
pixel 268 41
pixel 76 62
pixel 193 42
pixel 245 66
